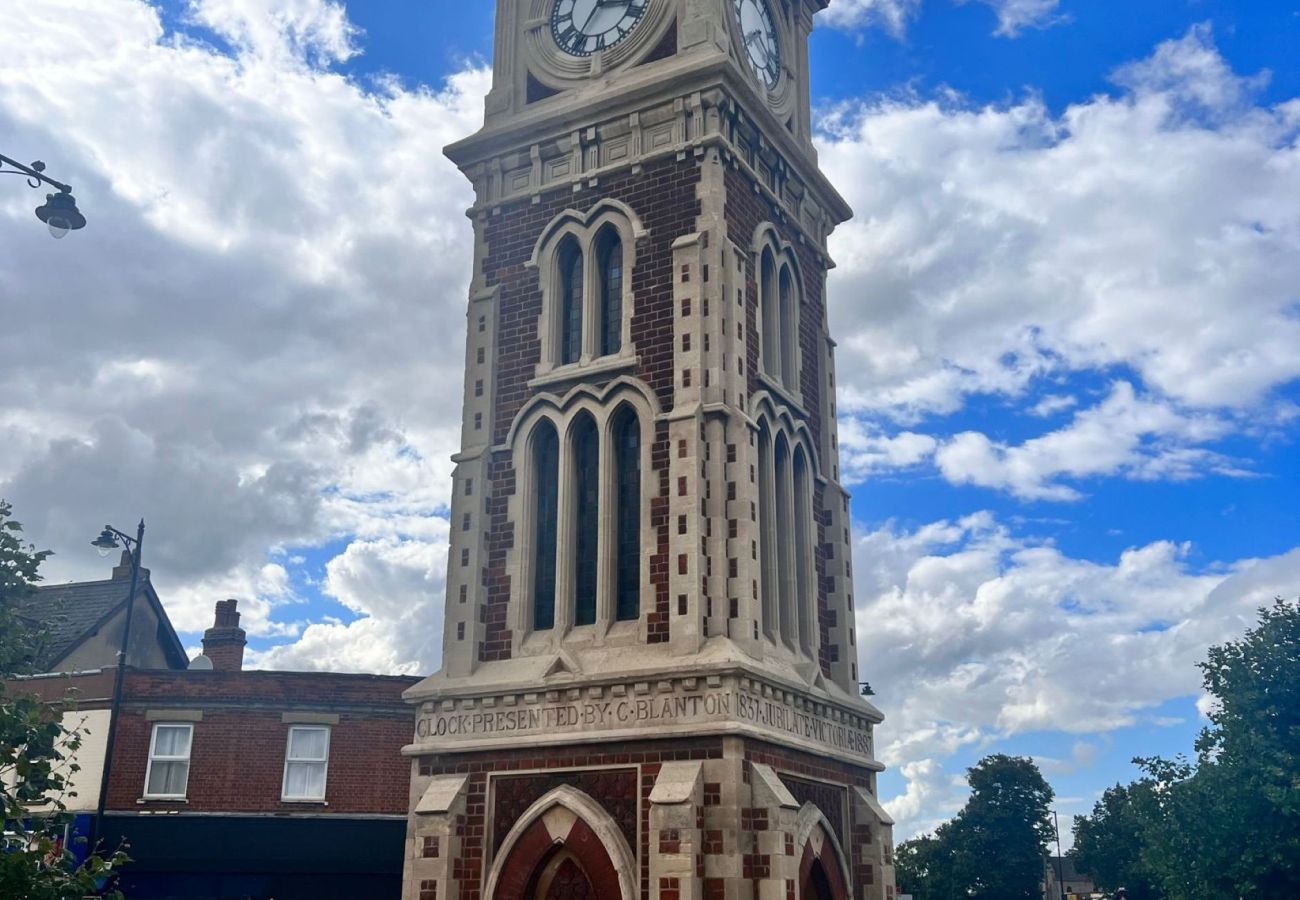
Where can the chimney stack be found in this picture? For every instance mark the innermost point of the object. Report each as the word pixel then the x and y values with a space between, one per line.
pixel 122 571
pixel 224 642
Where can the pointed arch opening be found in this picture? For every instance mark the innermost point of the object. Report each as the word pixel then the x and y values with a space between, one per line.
pixel 817 884
pixel 609 275
pixel 570 273
pixel 805 595
pixel 585 478
pixel 626 433
pixel 770 313
pixel 546 491
pixel 789 337
pixel 823 867
pixel 560 877
pixel 566 838
pixel 766 531
pixel 785 555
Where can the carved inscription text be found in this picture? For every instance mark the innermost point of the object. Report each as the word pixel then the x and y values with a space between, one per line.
pixel 630 713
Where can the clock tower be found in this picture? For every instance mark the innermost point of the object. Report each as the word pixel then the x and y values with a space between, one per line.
pixel 649 682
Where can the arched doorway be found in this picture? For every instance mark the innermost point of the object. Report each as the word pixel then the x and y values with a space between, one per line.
pixel 564 847
pixel 817 885
pixel 823 874
pixel 561 878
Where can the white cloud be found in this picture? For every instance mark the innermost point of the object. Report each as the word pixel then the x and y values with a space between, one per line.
pixel 397 588
pixel 995 244
pixel 932 796
pixel 892 15
pixel 1053 404
pixel 1123 435
pixel 864 450
pixel 274 254
pixel 1014 16
pixel 973 634
pixel 1002 247
pixel 281 31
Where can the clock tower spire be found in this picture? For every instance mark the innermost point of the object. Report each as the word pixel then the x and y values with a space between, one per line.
pixel 649 682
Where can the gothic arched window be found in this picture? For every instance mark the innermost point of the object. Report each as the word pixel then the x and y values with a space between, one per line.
pixel 569 260
pixel 767 528
pixel 609 264
pixel 546 489
pixel 586 518
pixel 789 336
pixel 627 515
pixel 770 315
pixel 803 549
pixel 785 555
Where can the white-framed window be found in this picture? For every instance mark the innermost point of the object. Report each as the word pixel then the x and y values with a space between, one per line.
pixel 169 761
pixel 306 763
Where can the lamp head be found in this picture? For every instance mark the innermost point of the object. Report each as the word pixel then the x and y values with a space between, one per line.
pixel 60 213
pixel 106 543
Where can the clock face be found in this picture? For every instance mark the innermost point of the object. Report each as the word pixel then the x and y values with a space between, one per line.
pixel 584 27
pixel 761 46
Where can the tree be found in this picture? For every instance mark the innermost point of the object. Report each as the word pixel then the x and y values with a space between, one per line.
pixel 19 565
pixel 1229 825
pixel 37 753
pixel 1000 838
pixel 1108 843
pixel 923 868
pixel 994 848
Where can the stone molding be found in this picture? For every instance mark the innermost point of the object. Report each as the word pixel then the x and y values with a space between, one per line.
pixel 595 712
pixel 509 166
pixel 581 807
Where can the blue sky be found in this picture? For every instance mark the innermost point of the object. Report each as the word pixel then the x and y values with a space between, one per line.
pixel 1066 310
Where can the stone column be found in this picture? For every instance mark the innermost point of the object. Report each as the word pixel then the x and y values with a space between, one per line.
pixel 676 834
pixel 432 842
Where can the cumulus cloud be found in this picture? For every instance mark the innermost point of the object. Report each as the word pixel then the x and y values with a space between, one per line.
pixel 281 31
pixel 1002 248
pixel 892 15
pixel 1123 435
pixel 235 348
pixel 976 633
pixel 932 797
pixel 1014 16
pixel 396 588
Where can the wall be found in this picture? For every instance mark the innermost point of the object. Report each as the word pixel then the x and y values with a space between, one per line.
pixel 663 195
pixel 145 652
pixel 237 756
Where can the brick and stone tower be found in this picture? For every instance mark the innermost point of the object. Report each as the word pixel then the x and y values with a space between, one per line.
pixel 649 683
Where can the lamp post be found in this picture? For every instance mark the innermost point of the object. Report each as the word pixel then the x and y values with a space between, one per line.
pixel 1060 860
pixel 106 543
pixel 59 211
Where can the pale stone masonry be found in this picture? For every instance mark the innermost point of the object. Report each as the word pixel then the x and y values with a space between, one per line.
pixel 649 686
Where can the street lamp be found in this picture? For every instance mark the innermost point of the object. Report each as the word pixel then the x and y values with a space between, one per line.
pixel 111 539
pixel 59 212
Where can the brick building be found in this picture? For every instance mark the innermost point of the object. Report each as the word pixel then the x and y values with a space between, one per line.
pixel 228 783
pixel 649 683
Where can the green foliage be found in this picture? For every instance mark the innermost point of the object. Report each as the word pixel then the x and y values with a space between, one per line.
pixel 1228 823
pixel 994 848
pixel 37 754
pixel 19 565
pixel 923 868
pixel 1108 843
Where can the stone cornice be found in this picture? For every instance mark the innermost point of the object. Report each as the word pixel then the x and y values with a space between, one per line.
pixel 694 102
pixel 463 718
